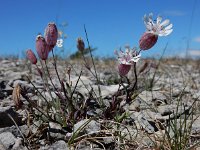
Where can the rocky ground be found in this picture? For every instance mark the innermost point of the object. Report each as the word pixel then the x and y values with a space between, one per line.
pixel 149 120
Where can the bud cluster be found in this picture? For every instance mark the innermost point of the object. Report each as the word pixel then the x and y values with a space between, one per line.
pixel 80 44
pixel 44 44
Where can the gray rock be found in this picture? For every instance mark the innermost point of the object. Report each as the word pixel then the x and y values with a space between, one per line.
pixel 86 146
pixel 135 105
pixel 196 95
pixel 149 96
pixel 18 145
pixel 128 132
pixel 59 145
pixel 147 141
pixel 7 101
pixel 196 126
pixel 7 139
pixel 2 147
pixel 15 76
pixel 87 126
pixel 13 129
pixel 145 124
pixel 84 81
pixel 141 121
pixel 166 110
pixel 55 131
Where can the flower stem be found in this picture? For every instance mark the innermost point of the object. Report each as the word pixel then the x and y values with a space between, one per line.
pixel 96 76
pixel 69 101
pixel 135 73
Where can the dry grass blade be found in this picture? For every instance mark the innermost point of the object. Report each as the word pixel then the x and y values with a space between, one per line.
pixel 142 69
pixel 16 96
pixel 26 141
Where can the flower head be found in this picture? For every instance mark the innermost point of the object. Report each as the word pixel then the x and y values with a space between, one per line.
pixel 80 44
pixel 41 47
pixel 31 56
pixel 51 35
pixel 123 69
pixel 147 41
pixel 156 26
pixel 126 60
pixel 128 57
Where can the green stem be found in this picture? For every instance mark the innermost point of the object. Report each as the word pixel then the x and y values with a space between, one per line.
pixel 98 80
pixel 69 101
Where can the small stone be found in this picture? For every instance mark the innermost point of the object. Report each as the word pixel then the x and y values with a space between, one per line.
pixel 59 145
pixel 18 144
pixel 149 96
pixel 145 124
pixel 7 139
pixel 87 126
pixel 55 131
pixel 166 110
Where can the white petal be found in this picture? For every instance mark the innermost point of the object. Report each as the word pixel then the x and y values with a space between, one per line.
pixel 151 16
pixel 165 33
pixel 116 53
pixel 145 18
pixel 59 45
pixel 159 19
pixel 136 58
pixel 128 63
pixel 131 50
pixel 168 27
pixel 139 55
pixel 165 22
pixel 60 40
pixel 125 62
pixel 120 54
pixel 149 27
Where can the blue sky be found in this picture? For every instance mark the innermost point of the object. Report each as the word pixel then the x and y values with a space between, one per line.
pixel 110 24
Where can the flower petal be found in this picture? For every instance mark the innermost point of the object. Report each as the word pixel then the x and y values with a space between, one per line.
pixel 168 32
pixel 151 16
pixel 165 33
pixel 157 27
pixel 159 19
pixel 136 58
pixel 145 18
pixel 165 22
pixel 116 52
pixel 169 27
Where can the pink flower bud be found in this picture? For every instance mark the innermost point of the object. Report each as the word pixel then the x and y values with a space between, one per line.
pixel 148 40
pixel 123 69
pixel 51 35
pixel 31 56
pixel 41 47
pixel 80 44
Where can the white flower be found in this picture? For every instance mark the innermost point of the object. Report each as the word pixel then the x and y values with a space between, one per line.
pixel 127 57
pixel 156 27
pixel 59 43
